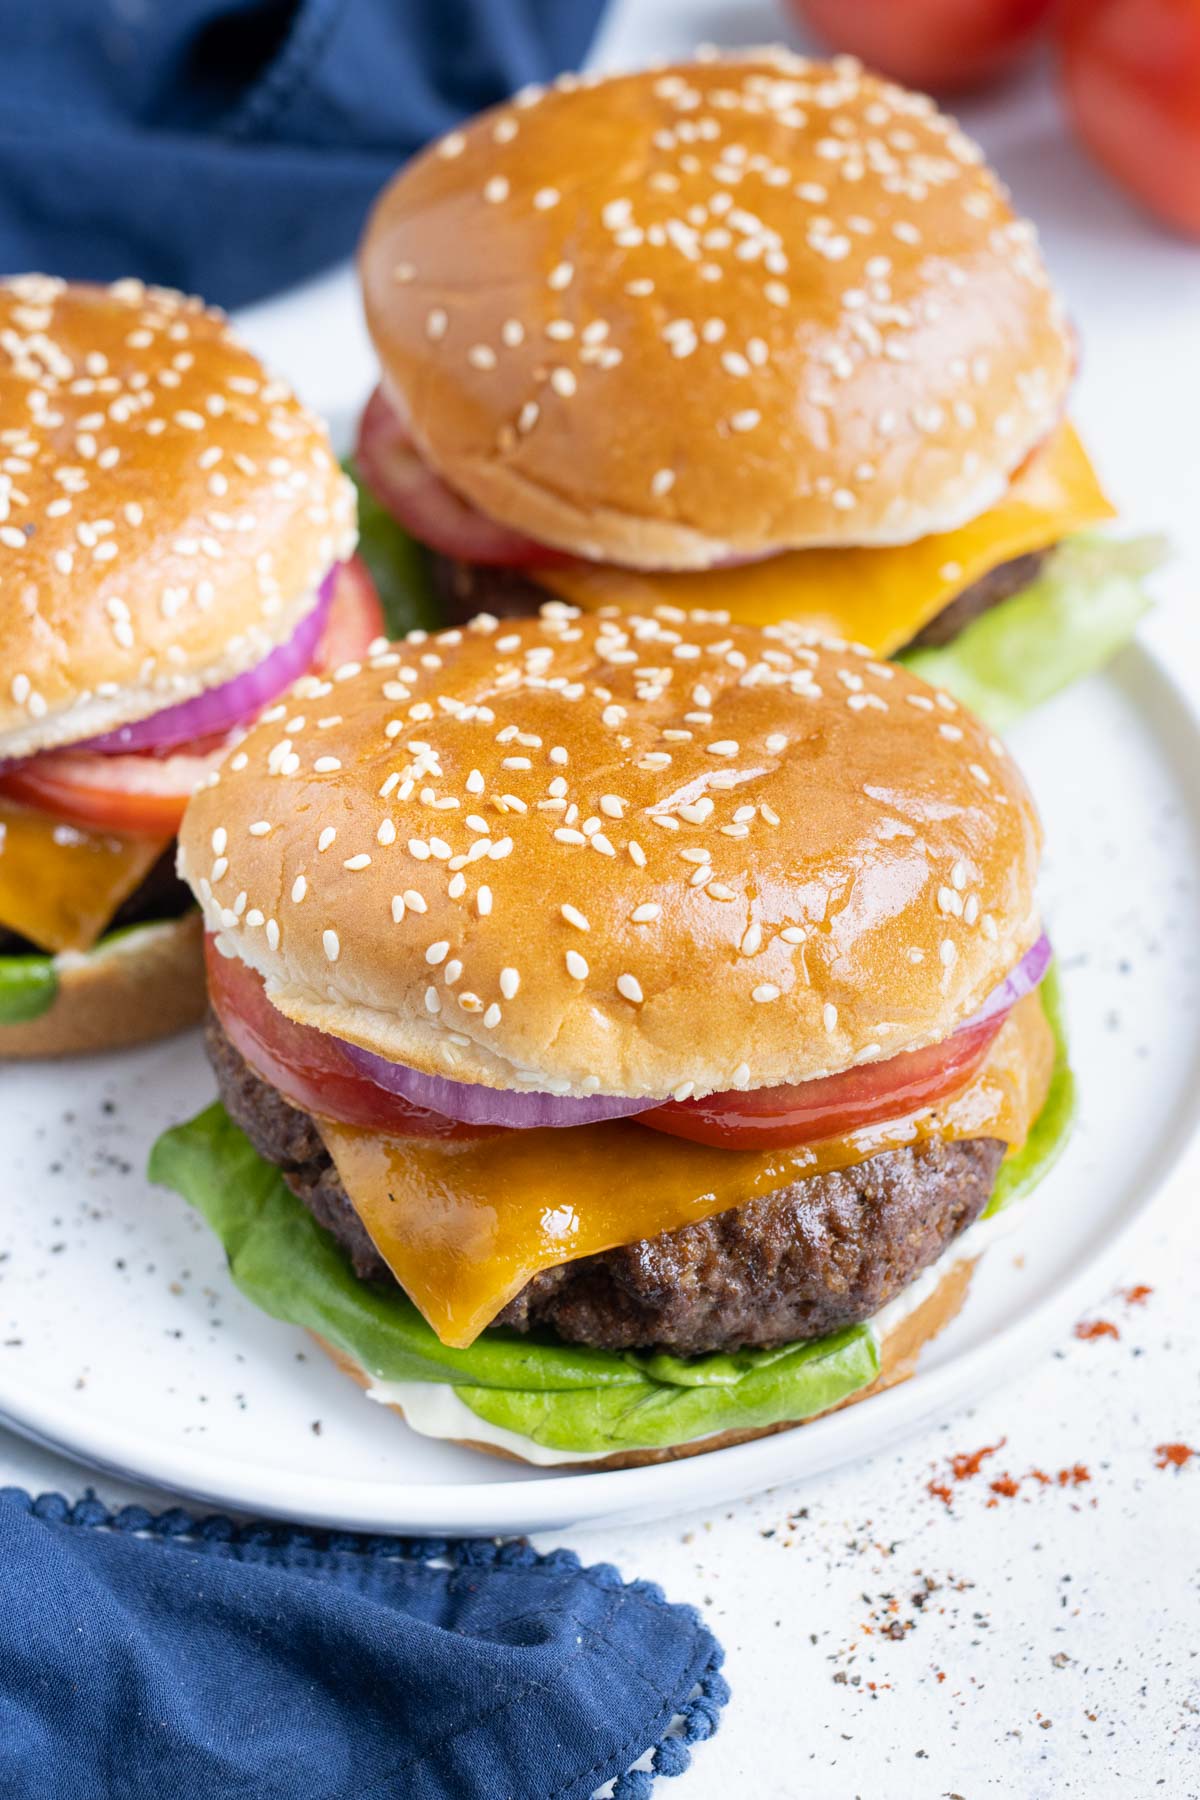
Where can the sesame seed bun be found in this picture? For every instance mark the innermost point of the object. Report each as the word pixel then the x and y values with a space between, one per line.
pixel 899 1354
pixel 139 985
pixel 167 508
pixel 728 308
pixel 642 855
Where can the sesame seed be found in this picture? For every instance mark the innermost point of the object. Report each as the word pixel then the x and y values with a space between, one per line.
pixel 630 988
pixel 299 889
pixel 510 982
pixel 492 1016
pixel 220 840
pixel 483 902
pixel 745 420
pixel 326 838
pixel 331 944
pixel 724 747
pixel 436 322
pixel 273 934
pixel 661 482
pixel 361 861
pixel 260 828
pixel 415 901
pixel 326 765
pixel 766 990
pixel 437 953
pixel 576 966
pixel 496 189
pixel 398 908
pixel 563 382
pixel 829 1015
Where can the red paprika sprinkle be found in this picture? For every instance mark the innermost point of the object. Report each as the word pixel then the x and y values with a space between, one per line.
pixel 1096 1328
pixel 1135 1296
pixel 1174 1455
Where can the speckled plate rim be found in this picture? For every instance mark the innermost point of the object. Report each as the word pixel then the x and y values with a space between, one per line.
pixel 661 1490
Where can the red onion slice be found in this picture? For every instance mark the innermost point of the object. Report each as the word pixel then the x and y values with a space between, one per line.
pixel 473 1104
pixel 1020 981
pixel 220 708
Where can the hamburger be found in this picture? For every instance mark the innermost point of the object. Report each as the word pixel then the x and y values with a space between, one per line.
pixel 626 1025
pixel 753 333
pixel 171 520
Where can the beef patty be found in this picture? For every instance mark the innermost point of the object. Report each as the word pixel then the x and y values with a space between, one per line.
pixel 793 1264
pixel 160 895
pixel 468 588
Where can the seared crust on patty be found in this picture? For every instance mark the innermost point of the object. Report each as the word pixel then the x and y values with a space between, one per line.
pixel 469 588
pixel 797 1263
pixel 999 584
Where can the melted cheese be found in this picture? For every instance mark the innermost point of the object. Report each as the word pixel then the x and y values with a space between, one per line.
pixel 878 597
pixel 59 885
pixel 464 1225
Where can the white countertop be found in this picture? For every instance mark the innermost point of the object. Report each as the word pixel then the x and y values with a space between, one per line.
pixel 1054 1647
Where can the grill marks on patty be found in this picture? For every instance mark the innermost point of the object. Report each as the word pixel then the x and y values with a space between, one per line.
pixel 468 588
pixel 797 1263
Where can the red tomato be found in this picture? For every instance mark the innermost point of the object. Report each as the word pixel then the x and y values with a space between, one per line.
pixel 136 793
pixel 355 618
pixel 945 45
pixel 436 516
pixel 771 1118
pixel 308 1067
pixel 1131 70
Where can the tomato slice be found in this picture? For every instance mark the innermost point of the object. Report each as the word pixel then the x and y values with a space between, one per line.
pixel 424 505
pixel 772 1118
pixel 138 793
pixel 146 791
pixel 355 618
pixel 308 1067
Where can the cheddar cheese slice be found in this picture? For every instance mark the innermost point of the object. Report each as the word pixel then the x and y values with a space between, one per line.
pixel 463 1225
pixel 60 885
pixel 878 597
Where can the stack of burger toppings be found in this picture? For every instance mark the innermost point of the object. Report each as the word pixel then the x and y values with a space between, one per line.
pixel 173 526
pixel 623 1023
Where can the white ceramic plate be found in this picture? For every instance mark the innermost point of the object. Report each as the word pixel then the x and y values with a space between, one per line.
pixel 123 1342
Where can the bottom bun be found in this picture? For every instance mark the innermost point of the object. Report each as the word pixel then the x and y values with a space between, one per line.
pixel 143 984
pixel 898 1357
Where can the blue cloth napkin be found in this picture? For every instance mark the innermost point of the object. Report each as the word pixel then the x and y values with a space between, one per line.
pixel 173 1658
pixel 231 147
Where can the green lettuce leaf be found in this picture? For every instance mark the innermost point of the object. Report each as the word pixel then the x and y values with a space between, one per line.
pixel 399 566
pixel 1065 625
pixel 28 985
pixel 562 1396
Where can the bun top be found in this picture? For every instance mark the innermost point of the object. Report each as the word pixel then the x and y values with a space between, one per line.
pixel 722 309
pixel 620 855
pixel 167 507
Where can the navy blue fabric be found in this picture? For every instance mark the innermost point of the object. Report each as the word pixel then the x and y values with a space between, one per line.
pixel 170 1658
pixel 230 147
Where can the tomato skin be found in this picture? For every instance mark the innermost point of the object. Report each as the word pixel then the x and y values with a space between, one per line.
pixel 308 1067
pixel 871 1093
pixel 944 45
pixel 429 509
pixel 1131 76
pixel 355 618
